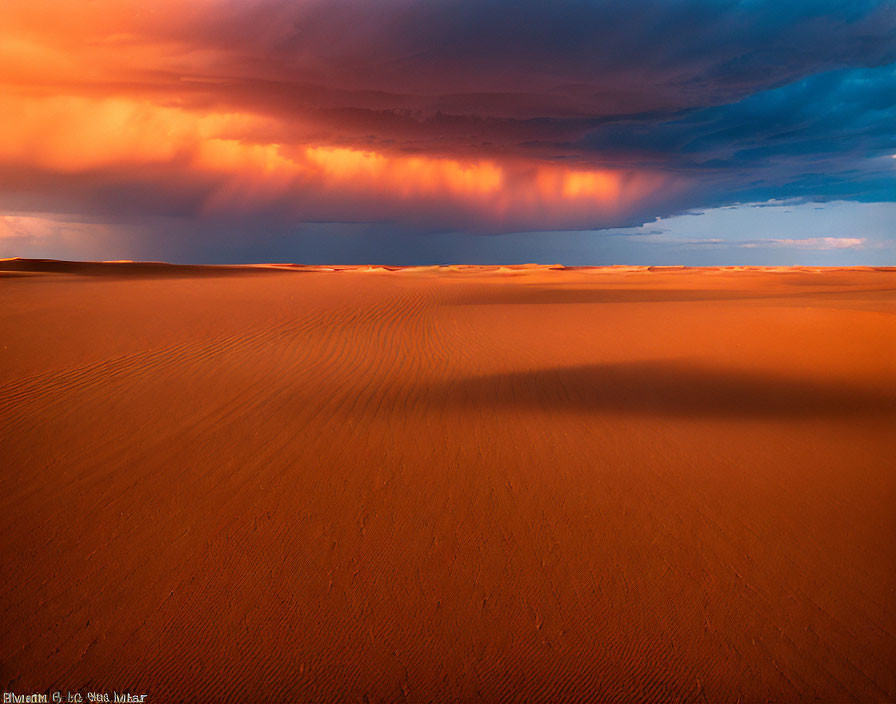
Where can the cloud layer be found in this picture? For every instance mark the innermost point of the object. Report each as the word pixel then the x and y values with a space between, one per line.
pixel 432 117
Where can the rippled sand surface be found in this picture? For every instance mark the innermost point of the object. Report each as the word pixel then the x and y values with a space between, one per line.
pixel 292 484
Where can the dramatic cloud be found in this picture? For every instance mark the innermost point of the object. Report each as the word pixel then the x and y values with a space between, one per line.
pixel 435 117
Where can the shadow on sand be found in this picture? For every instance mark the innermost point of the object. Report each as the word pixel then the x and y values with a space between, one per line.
pixel 670 388
pixel 537 295
pixel 561 296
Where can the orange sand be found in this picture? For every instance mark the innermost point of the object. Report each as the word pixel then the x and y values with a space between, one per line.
pixel 470 483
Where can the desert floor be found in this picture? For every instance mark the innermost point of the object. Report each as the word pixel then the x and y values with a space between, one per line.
pixel 457 484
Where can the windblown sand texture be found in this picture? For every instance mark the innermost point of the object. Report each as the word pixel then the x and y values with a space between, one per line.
pixel 334 484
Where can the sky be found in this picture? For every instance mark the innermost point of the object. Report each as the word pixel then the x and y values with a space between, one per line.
pixel 697 132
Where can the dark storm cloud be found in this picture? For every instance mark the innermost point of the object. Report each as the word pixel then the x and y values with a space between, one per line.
pixel 440 116
pixel 749 94
pixel 831 133
pixel 522 71
pixel 817 117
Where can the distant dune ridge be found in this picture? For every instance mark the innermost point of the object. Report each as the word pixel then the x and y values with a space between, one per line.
pixel 524 483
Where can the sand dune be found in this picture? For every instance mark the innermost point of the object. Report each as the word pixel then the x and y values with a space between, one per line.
pixel 529 483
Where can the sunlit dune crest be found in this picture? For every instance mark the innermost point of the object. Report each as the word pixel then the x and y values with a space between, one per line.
pixel 668 275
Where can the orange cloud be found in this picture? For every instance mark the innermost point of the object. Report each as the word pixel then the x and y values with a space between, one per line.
pixel 71 134
pixel 91 87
